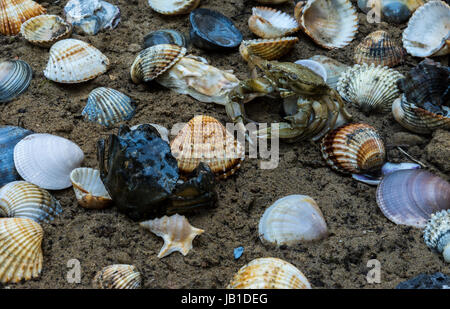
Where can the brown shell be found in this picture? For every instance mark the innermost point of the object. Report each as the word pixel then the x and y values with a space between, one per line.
pixel 45 30
pixel 118 276
pixel 13 13
pixel 269 49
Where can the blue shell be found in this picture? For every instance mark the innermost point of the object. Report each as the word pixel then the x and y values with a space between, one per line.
pixel 15 77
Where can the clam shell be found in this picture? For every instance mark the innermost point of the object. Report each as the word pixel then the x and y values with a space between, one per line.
pixel 354 148
pixel 314 66
pixel 74 61
pixel 269 49
pixel 15 77
pixel 45 30
pixel 47 160
pixel 409 197
pixel 173 7
pixel 89 188
pixel 269 23
pixel 269 273
pixel 20 249
pixel 333 67
pixel 437 233
pixel 118 276
pixel 165 36
pixel 392 11
pixel 13 13
pixel 291 220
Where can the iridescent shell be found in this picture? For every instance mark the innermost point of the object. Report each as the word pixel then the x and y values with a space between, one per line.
pixel 118 276
pixel 89 188
pixel 173 7
pixel 269 23
pixel 391 11
pixel 269 49
pixel 437 233
pixel 15 77
pixel 333 67
pixel 165 36
pixel 13 13
pixel 45 30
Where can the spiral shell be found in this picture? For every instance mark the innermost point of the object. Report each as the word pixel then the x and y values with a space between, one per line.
pixel 15 77
pixel 173 7
pixel 437 233
pixel 269 49
pixel 45 30
pixel 89 188
pixel 269 23
pixel 118 276
pixel 13 13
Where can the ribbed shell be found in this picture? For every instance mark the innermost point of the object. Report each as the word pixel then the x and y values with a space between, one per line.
pixel 173 7
pixel 333 67
pixel 20 249
pixel 74 61
pixel 437 233
pixel 13 13
pixel 154 61
pixel 354 148
pixel 21 199
pixel 269 273
pixel 269 49
pixel 314 66
pixel 205 139
pixel 89 188
pixel 269 23
pixel 45 30
pixel 118 276
pixel 108 106
pixel 15 77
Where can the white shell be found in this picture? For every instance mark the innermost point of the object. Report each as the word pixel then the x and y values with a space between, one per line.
pixel 315 66
pixel 47 160
pixel 269 23
pixel 173 7
pixel 437 233
pixel 89 188
pixel 161 130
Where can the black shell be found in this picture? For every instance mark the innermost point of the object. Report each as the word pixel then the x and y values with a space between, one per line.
pixel 165 36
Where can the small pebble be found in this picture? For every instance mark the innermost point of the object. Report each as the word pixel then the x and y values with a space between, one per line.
pixel 238 252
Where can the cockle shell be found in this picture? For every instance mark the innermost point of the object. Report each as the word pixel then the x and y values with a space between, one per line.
pixel 89 188
pixel 21 199
pixel 176 231
pixel 47 160
pixel 20 249
pixel 437 233
pixel 391 11
pixel 15 77
pixel 371 88
pixel 74 61
pixel 205 139
pixel 269 273
pixel 354 148
pixel 292 219
pixel 173 7
pixel 269 49
pixel 269 23
pixel 45 30
pixel 13 13
pixel 333 67
pixel 409 197
pixel 118 276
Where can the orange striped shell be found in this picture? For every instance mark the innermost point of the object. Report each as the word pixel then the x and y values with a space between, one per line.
pixel 13 13
pixel 269 49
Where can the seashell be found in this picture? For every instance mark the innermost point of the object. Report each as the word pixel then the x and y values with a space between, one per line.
pixel 13 13
pixel 409 197
pixel 388 167
pixel 269 273
pixel 108 106
pixel 154 61
pixel 74 61
pixel 163 132
pixel 89 188
pixel 176 231
pixel 45 30
pixel 269 49
pixel 333 67
pixel 173 7
pixel 354 148
pixel 205 139
pixel 371 88
pixel 47 160
pixel 427 33
pixel 379 48
pixel 269 23
pixel 15 77
pixel 330 23
pixel 271 1
pixel 314 66
pixel 118 276
pixel 20 249
pixel 165 36
pixel 212 30
pixel 391 11
pixel 437 233
pixel 291 220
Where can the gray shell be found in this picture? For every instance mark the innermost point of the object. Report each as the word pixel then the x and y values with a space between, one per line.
pixel 437 232
pixel 15 77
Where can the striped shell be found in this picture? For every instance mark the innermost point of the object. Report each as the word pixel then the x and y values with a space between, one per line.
pixel 45 30
pixel 269 273
pixel 13 13
pixel 437 233
pixel 20 249
pixel 118 276
pixel 21 199
pixel 15 77
pixel 269 49
pixel 205 139
pixel 269 23
pixel 333 67
pixel 354 148
pixel 173 7
pixel 165 36
pixel 89 188
pixel 74 61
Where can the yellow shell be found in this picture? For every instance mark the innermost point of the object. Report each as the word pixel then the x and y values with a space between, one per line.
pixel 173 7
pixel 44 30
pixel 13 13
pixel 269 49
pixel 118 276
pixel 269 23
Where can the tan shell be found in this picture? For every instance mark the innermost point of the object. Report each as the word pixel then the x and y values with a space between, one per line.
pixel 89 188
pixel 269 23
pixel 118 276
pixel 173 7
pixel 45 30
pixel 269 49
pixel 13 13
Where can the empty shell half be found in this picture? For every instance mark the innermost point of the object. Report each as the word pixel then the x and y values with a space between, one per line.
pixel 437 233
pixel 118 276
pixel 333 67
pixel 269 49
pixel 173 7
pixel 15 77
pixel 45 30
pixel 13 13
pixel 89 188
pixel 269 23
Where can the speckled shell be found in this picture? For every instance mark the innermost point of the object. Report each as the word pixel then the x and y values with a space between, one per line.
pixel 269 49
pixel 269 273
pixel 269 23
pixel 20 249
pixel 409 197
pixel 154 61
pixel 205 139
pixel 371 88
pixel 176 231
pixel 118 276
pixel 173 7
pixel 45 30
pixel 437 233
pixel 89 188
pixel 13 13
pixel 333 67
pixel 291 220
pixel 74 61
pixel 354 148
pixel 15 77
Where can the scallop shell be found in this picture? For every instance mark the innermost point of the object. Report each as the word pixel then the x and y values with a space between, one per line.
pixel 371 88
pixel 74 61
pixel 118 276
pixel 205 139
pixel 409 197
pixel 47 160
pixel 330 23
pixel 154 61
pixel 20 249
pixel 268 23
pixel 437 233
pixel 176 231
pixel 89 188
pixel 269 273
pixel 354 148
pixel 333 67
pixel 427 33
pixel 13 13
pixel 269 49
pixel 291 220
pixel 173 7
pixel 15 77
pixel 45 30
